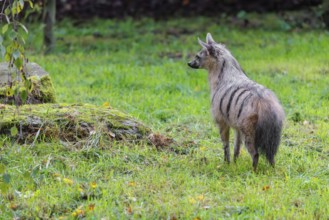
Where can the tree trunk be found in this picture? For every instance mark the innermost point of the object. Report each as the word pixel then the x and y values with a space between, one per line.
pixel 49 22
pixel 325 15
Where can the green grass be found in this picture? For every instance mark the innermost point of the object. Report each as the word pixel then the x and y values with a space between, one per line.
pixel 140 68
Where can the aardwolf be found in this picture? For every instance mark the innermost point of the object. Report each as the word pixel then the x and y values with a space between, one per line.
pixel 252 110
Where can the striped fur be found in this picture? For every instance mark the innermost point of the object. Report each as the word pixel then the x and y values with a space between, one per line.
pixel 237 102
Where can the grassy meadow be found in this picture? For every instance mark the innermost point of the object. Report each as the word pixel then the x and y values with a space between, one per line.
pixel 140 67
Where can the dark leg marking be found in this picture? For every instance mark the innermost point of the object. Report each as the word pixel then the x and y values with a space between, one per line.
pixel 224 131
pixel 237 144
pixel 250 144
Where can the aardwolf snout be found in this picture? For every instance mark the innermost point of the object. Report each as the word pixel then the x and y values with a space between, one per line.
pixel 193 65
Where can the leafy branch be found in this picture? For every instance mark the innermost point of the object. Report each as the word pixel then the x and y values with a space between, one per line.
pixel 12 41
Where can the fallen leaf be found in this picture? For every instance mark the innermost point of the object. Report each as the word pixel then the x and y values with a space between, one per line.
pixel 91 207
pixel 106 104
pixel 79 213
pixel 56 175
pixel 13 206
pixel 93 185
pixel 192 200
pixel 200 197
pixel 266 188
pixel 132 183
pixel 68 181
pixel 129 210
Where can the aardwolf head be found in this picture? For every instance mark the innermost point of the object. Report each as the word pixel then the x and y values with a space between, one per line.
pixel 208 56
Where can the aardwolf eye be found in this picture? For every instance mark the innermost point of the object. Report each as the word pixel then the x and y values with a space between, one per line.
pixel 198 57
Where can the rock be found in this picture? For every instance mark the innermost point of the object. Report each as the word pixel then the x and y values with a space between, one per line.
pixel 41 88
pixel 70 123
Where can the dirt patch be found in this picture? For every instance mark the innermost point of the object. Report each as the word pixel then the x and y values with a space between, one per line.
pixel 159 140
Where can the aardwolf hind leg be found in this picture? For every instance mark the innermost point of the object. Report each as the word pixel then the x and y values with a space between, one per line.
pixel 249 131
pixel 224 130
pixel 237 144
pixel 250 144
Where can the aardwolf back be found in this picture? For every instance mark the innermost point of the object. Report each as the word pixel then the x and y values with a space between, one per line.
pixel 252 110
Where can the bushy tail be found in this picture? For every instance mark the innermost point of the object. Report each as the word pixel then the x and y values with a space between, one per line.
pixel 268 129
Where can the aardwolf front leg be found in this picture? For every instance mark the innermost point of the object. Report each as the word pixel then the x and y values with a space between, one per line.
pixel 224 131
pixel 237 144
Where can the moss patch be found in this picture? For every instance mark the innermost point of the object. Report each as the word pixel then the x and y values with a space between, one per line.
pixel 68 122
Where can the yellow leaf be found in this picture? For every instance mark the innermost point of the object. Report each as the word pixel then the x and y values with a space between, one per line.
pixel 106 104
pixel 197 218
pixel 202 148
pixel 31 4
pixel 7 57
pixel 266 188
pixel 78 213
pixel 9 91
pixel 192 200
pixel 56 175
pixel 132 183
pixel 93 185
pixel 68 181
pixel 91 207
pixel 200 197
pixel 4 28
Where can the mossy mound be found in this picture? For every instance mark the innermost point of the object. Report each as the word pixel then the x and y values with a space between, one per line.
pixel 40 88
pixel 68 122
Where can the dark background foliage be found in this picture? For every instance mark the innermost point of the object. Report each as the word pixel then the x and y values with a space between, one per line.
pixel 166 8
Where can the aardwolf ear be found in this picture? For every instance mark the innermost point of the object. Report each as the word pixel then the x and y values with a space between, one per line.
pixel 210 48
pixel 210 40
pixel 203 44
